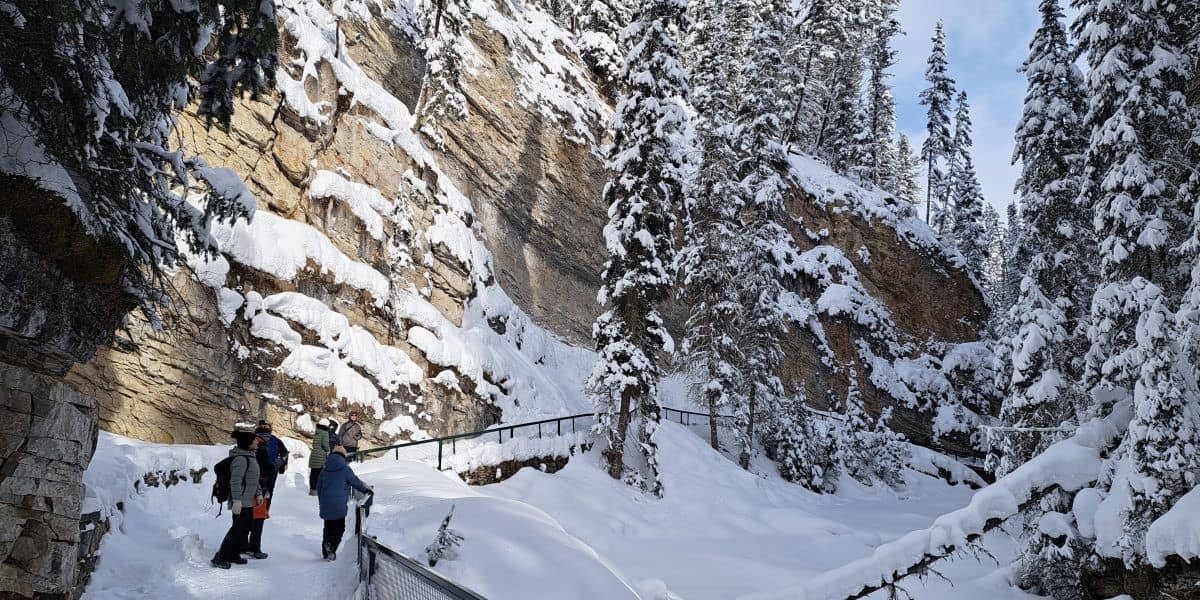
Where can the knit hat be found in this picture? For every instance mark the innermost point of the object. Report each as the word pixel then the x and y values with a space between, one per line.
pixel 244 434
pixel 262 427
pixel 339 449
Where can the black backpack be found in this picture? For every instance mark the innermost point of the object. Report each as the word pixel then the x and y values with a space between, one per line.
pixel 221 488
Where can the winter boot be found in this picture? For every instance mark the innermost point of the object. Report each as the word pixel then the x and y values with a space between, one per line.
pixel 312 492
pixel 257 554
pixel 325 551
pixel 220 563
pixel 237 560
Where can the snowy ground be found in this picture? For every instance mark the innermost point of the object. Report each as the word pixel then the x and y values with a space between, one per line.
pixel 719 533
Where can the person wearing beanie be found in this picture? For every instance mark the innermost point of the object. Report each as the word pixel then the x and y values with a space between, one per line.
pixel 333 494
pixel 351 435
pixel 272 460
pixel 243 490
pixel 335 439
pixel 316 458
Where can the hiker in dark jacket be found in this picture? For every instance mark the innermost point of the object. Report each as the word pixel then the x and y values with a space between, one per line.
pixel 335 439
pixel 333 494
pixel 351 435
pixel 243 489
pixel 316 459
pixel 272 459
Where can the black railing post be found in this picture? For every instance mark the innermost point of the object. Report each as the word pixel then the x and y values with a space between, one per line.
pixel 439 455
pixel 397 454
pixel 558 424
pixel 500 436
pixel 539 431
pixel 454 446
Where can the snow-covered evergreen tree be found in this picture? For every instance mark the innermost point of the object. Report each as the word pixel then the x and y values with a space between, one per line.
pixel 89 91
pixel 844 140
pixel 445 543
pixel 1139 73
pixel 938 147
pixel 1048 344
pixel 795 453
pixel 770 254
pixel 600 24
pixel 1015 258
pixel 712 251
pixel 442 88
pixel 883 164
pixel 967 203
pixel 647 162
pixel 826 32
pixel 908 166
pixel 993 265
pixel 869 451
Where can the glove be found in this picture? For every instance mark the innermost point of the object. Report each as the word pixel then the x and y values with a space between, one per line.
pixel 237 507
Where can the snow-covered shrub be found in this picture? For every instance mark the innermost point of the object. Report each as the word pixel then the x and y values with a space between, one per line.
pixel 445 544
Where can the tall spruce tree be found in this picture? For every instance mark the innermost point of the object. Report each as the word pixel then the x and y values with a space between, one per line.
pixel 938 147
pixel 908 166
pixel 843 141
pixel 883 168
pixel 1138 77
pixel 770 255
pixel 1049 311
pixel 824 33
pixel 647 164
pixel 712 252
pixel 966 218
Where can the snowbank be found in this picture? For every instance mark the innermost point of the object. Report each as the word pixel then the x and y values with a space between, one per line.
pixel 1070 464
pixel 510 549
pixel 1177 533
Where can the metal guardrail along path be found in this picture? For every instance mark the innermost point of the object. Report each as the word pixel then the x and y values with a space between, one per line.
pixel 387 574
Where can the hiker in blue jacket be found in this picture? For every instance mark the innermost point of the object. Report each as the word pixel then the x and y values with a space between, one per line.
pixel 333 494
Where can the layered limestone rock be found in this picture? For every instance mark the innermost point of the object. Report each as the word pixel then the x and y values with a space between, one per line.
pixel 525 162
pixel 60 298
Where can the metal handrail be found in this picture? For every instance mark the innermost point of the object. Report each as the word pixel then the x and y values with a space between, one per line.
pixel 684 419
pixel 499 431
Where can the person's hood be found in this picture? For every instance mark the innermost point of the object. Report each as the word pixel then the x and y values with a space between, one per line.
pixel 335 462
pixel 235 451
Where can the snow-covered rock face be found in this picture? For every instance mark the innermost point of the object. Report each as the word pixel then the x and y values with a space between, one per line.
pixel 380 267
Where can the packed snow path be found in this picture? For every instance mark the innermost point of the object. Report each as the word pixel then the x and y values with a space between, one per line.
pixel 166 538
pixel 719 533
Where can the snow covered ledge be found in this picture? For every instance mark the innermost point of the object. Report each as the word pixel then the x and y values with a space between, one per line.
pixel 1071 465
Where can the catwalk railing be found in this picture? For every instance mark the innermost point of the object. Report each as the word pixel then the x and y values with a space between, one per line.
pixel 387 574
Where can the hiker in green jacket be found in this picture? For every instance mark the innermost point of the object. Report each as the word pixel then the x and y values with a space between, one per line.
pixel 316 459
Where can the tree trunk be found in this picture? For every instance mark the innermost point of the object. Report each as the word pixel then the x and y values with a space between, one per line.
pixel 616 447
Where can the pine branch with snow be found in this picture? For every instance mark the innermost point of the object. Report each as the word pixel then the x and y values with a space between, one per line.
pixel 445 543
pixel 89 92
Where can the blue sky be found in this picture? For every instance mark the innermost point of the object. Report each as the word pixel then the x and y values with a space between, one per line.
pixel 987 42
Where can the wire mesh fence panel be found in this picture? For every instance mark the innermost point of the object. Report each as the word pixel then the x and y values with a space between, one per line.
pixel 389 575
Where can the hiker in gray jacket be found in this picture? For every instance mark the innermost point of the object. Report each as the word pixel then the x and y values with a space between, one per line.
pixel 243 489
pixel 351 435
